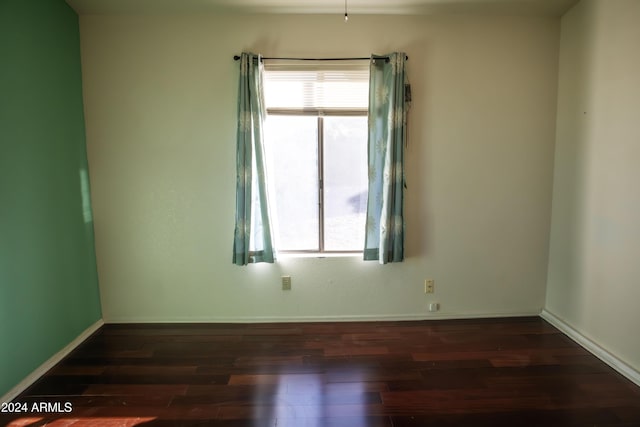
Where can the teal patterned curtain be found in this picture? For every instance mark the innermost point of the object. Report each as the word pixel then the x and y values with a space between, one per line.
pixel 252 238
pixel 388 106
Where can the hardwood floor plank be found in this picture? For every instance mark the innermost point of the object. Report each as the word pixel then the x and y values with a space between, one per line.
pixel 537 418
pixel 335 422
pixel 134 390
pixel 486 372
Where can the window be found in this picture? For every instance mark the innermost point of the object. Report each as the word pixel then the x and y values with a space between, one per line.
pixel 316 148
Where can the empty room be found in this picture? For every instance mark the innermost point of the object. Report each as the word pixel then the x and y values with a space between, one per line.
pixel 319 213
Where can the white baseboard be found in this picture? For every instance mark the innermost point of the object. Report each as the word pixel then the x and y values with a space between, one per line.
pixel 610 359
pixel 53 360
pixel 336 318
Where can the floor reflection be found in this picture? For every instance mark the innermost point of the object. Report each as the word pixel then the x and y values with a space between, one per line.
pixel 310 400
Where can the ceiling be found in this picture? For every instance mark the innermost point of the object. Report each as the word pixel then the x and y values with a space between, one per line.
pixel 355 7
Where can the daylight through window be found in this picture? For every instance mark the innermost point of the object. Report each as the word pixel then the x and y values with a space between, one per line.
pixel 316 148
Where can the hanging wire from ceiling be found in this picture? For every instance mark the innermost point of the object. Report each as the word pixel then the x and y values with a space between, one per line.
pixel 346 14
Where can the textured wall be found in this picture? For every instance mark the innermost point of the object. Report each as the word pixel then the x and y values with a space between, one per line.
pixel 595 237
pixel 160 98
pixel 48 280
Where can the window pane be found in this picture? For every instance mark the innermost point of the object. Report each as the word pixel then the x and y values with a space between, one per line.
pixel 325 85
pixel 345 182
pixel 292 151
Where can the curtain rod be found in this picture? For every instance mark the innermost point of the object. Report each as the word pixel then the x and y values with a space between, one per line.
pixel 237 57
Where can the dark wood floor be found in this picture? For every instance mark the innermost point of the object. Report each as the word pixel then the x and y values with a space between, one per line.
pixel 501 372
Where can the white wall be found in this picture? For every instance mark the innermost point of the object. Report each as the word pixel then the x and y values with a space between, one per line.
pixel 160 97
pixel 595 239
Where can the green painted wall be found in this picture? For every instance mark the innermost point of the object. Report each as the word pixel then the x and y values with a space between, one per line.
pixel 48 280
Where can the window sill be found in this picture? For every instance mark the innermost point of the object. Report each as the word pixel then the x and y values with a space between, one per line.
pixel 320 255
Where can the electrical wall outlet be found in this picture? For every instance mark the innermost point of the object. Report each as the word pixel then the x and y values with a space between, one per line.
pixel 434 306
pixel 286 283
pixel 429 286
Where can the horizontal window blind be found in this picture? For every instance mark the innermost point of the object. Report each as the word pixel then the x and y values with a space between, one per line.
pixel 297 85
